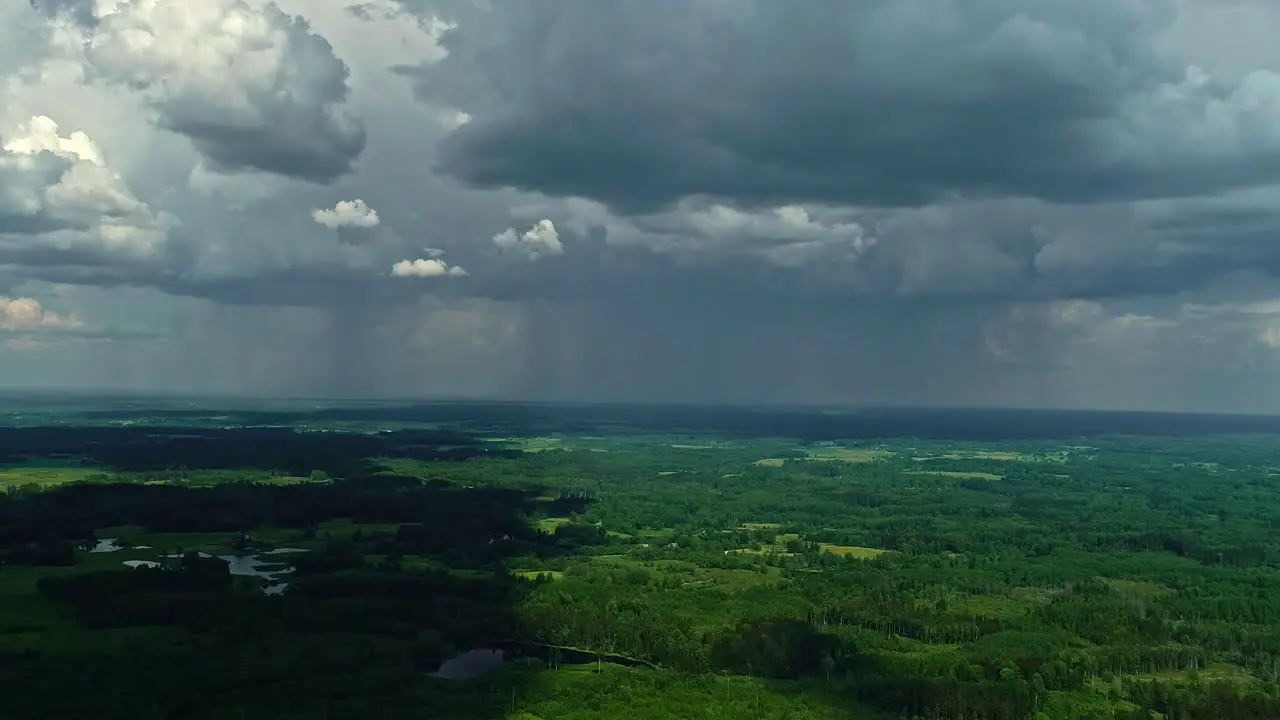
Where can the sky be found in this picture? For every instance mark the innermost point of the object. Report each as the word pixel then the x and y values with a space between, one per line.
pixel 1018 203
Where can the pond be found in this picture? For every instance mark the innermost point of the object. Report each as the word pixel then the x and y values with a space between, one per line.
pixel 482 661
pixel 246 566
pixel 254 566
pixel 106 545
pixel 471 664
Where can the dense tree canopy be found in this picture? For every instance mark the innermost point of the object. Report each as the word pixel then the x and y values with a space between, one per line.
pixel 689 574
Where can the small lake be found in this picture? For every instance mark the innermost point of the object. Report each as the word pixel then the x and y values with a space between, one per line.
pixel 482 661
pixel 239 565
pixel 254 566
pixel 471 664
pixel 106 545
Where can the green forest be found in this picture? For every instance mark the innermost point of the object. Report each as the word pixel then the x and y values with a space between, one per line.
pixel 522 562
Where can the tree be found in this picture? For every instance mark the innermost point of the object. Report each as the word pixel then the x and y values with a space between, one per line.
pixel 827 666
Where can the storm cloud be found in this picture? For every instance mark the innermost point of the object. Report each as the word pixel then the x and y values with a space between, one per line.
pixel 639 103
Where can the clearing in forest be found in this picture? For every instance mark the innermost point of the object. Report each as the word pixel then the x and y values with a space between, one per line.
pixel 549 525
pixel 1215 672
pixel 849 455
pixel 534 574
pixel 44 476
pixel 957 474
pixel 854 551
pixel 539 444
pixel 771 462
pixel 997 455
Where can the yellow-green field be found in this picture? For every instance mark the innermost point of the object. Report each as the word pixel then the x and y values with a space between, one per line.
pixel 549 525
pixel 534 574
pixel 283 480
pixel 759 526
pixel 848 455
pixel 956 474
pixel 997 455
pixel 27 475
pixel 853 551
pixel 535 444
pixel 1217 672
pixel 771 462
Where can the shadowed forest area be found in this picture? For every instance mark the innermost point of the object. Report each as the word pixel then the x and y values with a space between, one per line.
pixel 601 562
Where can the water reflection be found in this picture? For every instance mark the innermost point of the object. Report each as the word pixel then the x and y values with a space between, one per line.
pixel 255 566
pixel 471 664
pixel 106 545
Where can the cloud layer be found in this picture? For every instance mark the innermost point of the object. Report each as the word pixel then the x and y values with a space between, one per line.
pixel 992 202
pixel 885 103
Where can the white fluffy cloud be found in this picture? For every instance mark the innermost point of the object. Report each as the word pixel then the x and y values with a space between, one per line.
pixel 424 268
pixel 537 242
pixel 57 193
pixel 347 214
pixel 24 313
pixel 249 85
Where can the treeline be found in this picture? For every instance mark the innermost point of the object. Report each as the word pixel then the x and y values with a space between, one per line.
pixel 73 512
pixel 514 418
pixel 145 449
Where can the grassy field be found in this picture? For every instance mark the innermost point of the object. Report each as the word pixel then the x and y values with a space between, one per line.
pixel 549 525
pixel 854 551
pixel 848 455
pixel 535 574
pixel 997 455
pixel 532 444
pixel 45 475
pixel 957 474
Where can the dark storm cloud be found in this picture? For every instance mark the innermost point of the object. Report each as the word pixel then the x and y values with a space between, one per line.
pixel 319 158
pixel 638 103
